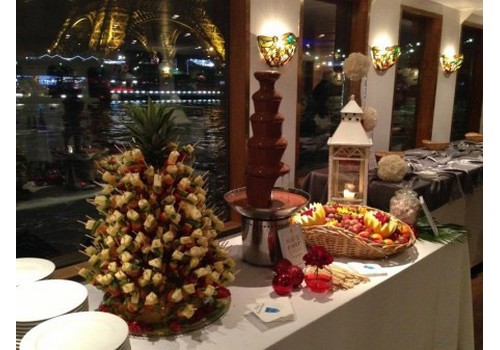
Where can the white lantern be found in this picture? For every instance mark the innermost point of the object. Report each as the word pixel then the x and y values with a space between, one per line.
pixel 348 156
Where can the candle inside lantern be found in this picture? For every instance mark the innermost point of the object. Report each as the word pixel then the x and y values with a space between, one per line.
pixel 349 191
pixel 348 194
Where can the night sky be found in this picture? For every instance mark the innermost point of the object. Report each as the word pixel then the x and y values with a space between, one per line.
pixel 37 24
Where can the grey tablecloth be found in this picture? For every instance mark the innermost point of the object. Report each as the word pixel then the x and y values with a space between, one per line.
pixel 448 186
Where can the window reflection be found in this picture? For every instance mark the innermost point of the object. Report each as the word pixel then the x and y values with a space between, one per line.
pixel 468 91
pixel 326 35
pixel 78 64
pixel 404 114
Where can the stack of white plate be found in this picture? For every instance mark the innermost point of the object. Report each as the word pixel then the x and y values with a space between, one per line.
pixel 39 301
pixel 33 269
pixel 91 330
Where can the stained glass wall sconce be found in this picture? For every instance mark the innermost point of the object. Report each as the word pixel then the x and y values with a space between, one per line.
pixel 385 58
pixel 451 63
pixel 277 51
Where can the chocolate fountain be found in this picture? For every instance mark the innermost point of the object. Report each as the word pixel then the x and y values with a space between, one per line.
pixel 265 209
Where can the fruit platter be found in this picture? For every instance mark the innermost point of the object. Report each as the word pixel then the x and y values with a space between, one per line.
pixel 153 249
pixel 154 252
pixel 354 231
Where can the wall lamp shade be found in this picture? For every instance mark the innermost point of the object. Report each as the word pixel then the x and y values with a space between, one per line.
pixel 277 51
pixel 385 58
pixel 450 64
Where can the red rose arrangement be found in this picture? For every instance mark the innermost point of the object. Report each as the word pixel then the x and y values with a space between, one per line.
pixel 288 276
pixel 318 257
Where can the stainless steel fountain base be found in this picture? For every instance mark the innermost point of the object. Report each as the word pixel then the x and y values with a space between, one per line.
pixel 260 226
pixel 260 240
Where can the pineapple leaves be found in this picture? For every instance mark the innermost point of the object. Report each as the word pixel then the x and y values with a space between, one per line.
pixel 152 130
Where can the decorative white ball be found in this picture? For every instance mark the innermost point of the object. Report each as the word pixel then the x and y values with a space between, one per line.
pixel 392 168
pixel 370 116
pixel 356 66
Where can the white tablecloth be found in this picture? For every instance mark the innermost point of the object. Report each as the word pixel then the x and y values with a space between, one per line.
pixel 423 303
pixel 468 212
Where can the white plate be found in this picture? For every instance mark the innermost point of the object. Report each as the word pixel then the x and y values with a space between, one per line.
pixel 33 269
pixel 42 300
pixel 90 330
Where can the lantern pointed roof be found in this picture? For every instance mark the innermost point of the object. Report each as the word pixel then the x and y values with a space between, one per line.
pixel 352 107
pixel 350 131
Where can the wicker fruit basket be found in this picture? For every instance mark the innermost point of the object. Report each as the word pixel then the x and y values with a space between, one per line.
pixel 435 146
pixel 474 136
pixel 339 241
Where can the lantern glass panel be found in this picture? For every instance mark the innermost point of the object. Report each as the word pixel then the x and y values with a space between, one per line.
pixel 349 176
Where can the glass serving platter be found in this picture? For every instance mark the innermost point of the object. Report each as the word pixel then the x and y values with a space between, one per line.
pixel 139 330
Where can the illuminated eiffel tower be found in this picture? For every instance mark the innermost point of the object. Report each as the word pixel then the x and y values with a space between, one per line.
pixel 105 26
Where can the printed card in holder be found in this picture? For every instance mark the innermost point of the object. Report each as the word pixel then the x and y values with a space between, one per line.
pixel 292 244
pixel 429 216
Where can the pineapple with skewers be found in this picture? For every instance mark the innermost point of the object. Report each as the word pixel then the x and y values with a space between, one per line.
pixel 155 254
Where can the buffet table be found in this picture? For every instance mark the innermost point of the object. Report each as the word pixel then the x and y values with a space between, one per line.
pixel 450 183
pixel 424 302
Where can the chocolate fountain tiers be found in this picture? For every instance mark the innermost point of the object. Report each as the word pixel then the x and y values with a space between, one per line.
pixel 266 146
pixel 265 208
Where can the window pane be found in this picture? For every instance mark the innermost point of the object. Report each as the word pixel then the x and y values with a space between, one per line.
pixel 469 81
pixel 404 114
pixel 78 64
pixel 326 37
